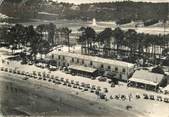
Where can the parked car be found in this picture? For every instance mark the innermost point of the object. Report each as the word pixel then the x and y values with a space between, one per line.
pixel 2 68
pixel 166 100
pixel 6 70
pixel 103 79
pixel 52 68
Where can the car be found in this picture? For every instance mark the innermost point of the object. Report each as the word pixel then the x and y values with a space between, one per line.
pixel 93 87
pixel 159 98
pixel 138 96
pixel 39 73
pixel 62 79
pixel 145 96
pixel 2 68
pixel 67 72
pixel 74 86
pixel 98 88
pixel 34 73
pixel 64 83
pixel 23 73
pixel 152 97
pixel 18 72
pixel 72 81
pixel 102 96
pixel 92 91
pixel 44 79
pixel 80 88
pixel 52 76
pixel 77 83
pixel 26 78
pixel 82 84
pixel 111 97
pixel 85 89
pixel 52 68
pixel 67 80
pixel 69 85
pixel 57 78
pixel 57 82
pixel 105 90
pixel 10 70
pixel 30 63
pixel 40 78
pixel 35 77
pixel 6 70
pixel 49 80
pixel 23 62
pixel 112 84
pixel 166 100
pixel 87 85
pixel 14 71
pixel 101 78
pixel 48 75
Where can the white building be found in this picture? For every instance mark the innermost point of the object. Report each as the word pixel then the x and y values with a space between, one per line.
pixel 147 80
pixel 121 69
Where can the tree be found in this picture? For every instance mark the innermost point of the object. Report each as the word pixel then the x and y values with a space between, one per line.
pixel 51 33
pixel 43 47
pixel 119 36
pixel 105 37
pixel 88 36
pixel 67 32
pixel 131 41
pixel 158 69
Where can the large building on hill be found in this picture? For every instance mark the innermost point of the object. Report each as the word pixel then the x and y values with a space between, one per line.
pixel 121 70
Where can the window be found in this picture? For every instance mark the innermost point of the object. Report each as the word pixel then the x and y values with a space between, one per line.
pixel 102 66
pixel 59 57
pixel 72 59
pixel 77 60
pixel 63 58
pixel 109 67
pixel 124 70
pixel 91 63
pixel 52 56
pixel 116 69
pixel 82 61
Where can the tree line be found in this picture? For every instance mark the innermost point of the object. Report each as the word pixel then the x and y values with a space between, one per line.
pixel 112 43
pixel 32 39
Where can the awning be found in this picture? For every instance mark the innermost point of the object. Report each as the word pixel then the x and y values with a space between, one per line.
pixel 82 68
pixel 143 81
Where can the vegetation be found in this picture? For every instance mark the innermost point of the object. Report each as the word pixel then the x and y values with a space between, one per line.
pixel 122 12
pixel 32 40
pixel 125 44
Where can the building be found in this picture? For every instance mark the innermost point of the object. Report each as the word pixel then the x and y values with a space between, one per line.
pixel 147 80
pixel 122 70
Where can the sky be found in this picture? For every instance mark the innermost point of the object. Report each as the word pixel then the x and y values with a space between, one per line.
pixel 91 1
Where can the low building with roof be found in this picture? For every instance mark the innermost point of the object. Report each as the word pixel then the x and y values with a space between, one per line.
pixel 147 80
pixel 122 70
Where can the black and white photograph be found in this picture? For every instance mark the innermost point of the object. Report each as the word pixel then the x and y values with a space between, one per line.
pixel 84 58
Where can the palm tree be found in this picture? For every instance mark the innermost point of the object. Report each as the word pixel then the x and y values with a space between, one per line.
pixel 67 32
pixel 51 33
pixel 119 36
pixel 43 47
pixel 105 37
pixel 131 41
pixel 88 37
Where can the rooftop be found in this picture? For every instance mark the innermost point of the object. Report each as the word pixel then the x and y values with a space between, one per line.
pixel 147 77
pixel 95 59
